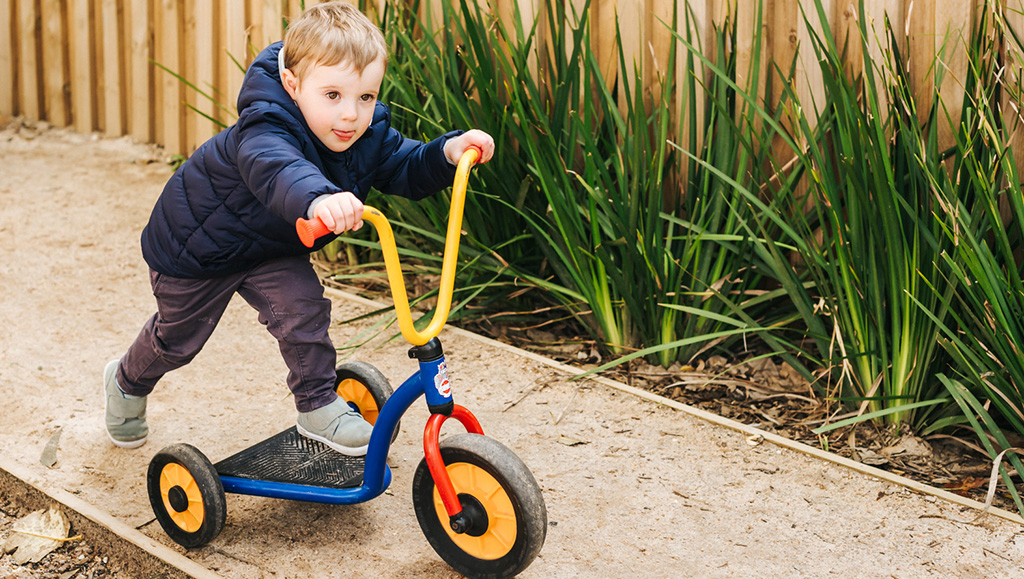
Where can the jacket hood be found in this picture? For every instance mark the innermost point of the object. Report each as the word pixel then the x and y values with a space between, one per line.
pixel 263 83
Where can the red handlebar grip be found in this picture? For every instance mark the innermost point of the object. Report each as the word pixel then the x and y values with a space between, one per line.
pixel 310 229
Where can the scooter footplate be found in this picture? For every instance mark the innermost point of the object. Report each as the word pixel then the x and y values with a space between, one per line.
pixel 289 457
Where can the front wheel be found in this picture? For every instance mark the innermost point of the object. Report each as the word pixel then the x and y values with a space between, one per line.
pixel 507 516
pixel 186 495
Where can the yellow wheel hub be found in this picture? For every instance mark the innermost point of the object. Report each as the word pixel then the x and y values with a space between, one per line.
pixel 175 475
pixel 500 536
pixel 354 391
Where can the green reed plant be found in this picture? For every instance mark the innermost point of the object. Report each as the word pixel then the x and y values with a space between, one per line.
pixel 857 213
pixel 983 214
pixel 981 206
pixel 870 167
pixel 721 270
pixel 579 148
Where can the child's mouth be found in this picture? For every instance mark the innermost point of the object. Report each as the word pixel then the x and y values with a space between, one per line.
pixel 344 135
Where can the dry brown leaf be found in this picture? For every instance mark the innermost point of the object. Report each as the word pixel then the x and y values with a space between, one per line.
pixel 963 486
pixel 35 535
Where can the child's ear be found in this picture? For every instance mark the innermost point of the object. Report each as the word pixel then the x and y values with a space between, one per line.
pixel 290 82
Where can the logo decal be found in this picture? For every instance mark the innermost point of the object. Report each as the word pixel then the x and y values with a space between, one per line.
pixel 444 387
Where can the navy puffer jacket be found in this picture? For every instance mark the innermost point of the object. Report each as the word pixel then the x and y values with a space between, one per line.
pixel 234 203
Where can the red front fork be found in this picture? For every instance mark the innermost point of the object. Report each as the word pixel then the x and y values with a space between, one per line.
pixel 432 452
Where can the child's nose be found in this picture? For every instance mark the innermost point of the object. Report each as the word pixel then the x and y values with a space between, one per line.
pixel 349 110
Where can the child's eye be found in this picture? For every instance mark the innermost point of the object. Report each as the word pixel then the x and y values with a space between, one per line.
pixel 368 98
pixel 333 95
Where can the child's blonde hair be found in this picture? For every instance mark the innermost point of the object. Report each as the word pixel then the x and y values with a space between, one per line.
pixel 330 33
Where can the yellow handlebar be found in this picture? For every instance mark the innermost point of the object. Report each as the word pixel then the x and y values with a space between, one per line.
pixel 451 254
pixel 311 229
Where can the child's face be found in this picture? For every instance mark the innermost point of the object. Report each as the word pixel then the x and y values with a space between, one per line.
pixel 336 101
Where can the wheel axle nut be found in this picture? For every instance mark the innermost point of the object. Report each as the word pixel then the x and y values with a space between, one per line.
pixel 458 523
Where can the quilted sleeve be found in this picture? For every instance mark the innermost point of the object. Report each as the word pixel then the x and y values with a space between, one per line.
pixel 272 164
pixel 410 168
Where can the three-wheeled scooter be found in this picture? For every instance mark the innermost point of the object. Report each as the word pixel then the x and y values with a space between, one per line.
pixel 477 503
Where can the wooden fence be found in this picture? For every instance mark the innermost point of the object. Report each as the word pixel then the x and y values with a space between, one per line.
pixel 88 64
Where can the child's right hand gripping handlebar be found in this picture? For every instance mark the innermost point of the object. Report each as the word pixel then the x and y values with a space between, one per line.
pixel 310 229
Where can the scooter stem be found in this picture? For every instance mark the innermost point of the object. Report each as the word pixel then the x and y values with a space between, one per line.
pixel 310 229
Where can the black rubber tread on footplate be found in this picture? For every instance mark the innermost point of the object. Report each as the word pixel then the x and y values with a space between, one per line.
pixel 289 457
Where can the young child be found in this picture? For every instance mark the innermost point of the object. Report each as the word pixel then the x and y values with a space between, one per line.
pixel 310 141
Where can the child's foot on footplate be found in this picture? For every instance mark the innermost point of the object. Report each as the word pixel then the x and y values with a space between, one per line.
pixel 338 426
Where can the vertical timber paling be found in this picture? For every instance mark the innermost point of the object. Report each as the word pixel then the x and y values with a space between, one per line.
pixel 56 105
pixel 29 65
pixel 952 32
pixel 113 79
pixel 140 72
pixel 235 46
pixel 170 89
pixel 82 62
pixel 919 26
pixel 8 90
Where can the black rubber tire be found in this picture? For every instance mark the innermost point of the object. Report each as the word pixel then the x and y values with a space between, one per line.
pixel 370 378
pixel 201 477
pixel 517 483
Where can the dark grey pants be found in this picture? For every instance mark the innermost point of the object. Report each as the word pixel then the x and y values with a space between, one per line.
pixel 290 300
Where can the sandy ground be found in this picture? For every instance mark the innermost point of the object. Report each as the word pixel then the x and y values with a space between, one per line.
pixel 633 488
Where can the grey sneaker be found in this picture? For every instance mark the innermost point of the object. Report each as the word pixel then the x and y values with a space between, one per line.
pixel 126 417
pixel 337 426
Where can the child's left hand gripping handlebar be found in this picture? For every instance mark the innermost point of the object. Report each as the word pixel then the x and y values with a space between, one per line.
pixel 311 229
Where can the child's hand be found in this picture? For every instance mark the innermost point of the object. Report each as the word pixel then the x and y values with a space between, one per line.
pixel 340 212
pixel 454 148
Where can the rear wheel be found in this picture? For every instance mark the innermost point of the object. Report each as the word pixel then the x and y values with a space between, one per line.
pixel 507 518
pixel 186 495
pixel 365 389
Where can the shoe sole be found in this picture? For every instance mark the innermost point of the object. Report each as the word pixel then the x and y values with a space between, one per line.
pixel 128 444
pixel 346 450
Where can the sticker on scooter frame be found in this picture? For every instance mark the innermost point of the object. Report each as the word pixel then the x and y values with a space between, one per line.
pixel 444 387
